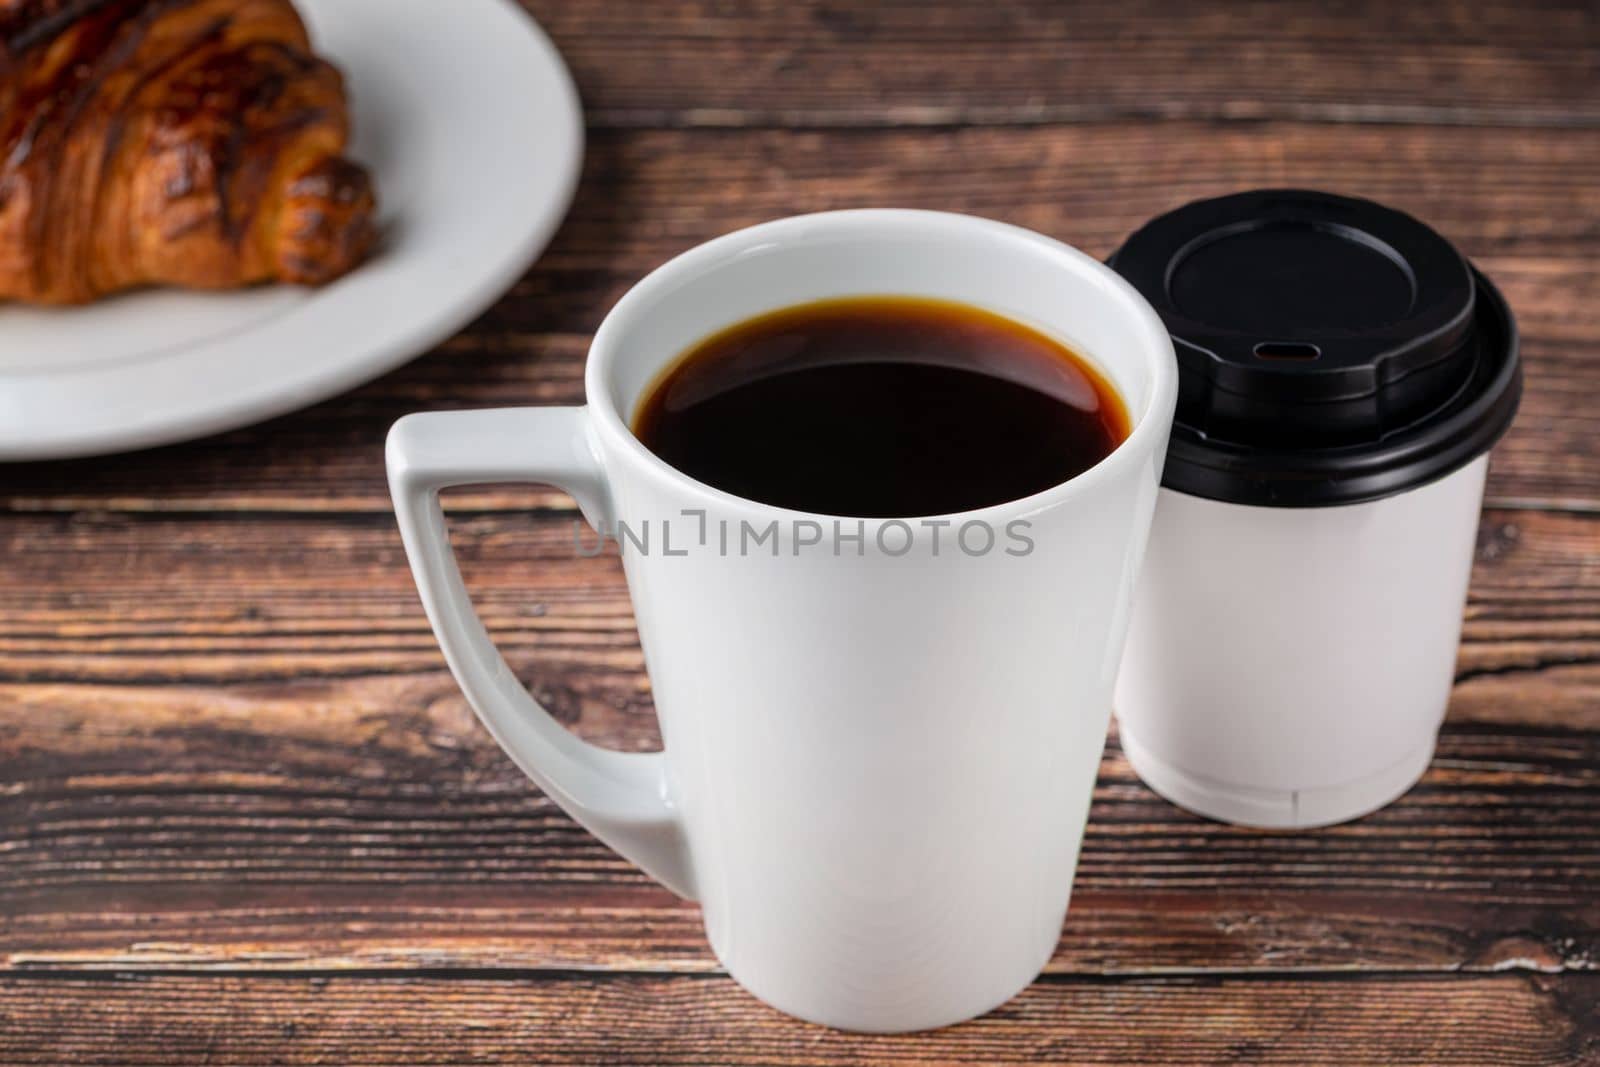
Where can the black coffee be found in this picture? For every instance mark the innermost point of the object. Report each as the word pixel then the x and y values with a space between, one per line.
pixel 881 407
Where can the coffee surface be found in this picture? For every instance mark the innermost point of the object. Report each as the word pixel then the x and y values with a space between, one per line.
pixel 882 407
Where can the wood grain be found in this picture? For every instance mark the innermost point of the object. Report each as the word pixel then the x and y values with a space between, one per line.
pixel 231 738
pixel 1526 207
pixel 409 861
pixel 594 1019
pixel 112 599
pixel 1035 61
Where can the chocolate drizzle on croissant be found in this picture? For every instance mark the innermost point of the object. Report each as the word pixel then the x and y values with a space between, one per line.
pixel 195 143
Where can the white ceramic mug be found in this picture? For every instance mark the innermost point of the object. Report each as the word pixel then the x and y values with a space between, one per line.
pixel 879 752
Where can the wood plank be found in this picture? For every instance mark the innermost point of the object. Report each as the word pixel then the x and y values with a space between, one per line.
pixel 1027 61
pixel 1488 866
pixel 100 600
pixel 1523 206
pixel 1508 1020
pixel 230 739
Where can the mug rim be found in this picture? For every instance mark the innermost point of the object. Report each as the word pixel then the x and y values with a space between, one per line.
pixel 1148 429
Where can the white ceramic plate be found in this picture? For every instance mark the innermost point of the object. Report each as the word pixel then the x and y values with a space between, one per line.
pixel 472 128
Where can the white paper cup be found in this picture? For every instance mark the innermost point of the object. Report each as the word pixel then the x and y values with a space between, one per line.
pixel 1296 626
pixel 1299 677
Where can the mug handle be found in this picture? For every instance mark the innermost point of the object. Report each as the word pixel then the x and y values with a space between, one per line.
pixel 623 798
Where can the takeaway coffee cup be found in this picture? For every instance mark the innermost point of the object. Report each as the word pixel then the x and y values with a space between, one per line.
pixel 1343 375
pixel 879 748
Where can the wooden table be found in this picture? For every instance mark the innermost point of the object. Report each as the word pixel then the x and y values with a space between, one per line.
pixel 246 817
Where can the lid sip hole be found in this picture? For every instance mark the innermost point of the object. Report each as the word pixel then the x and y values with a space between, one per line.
pixel 1289 350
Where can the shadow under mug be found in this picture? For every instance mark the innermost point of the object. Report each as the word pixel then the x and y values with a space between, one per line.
pixel 880 742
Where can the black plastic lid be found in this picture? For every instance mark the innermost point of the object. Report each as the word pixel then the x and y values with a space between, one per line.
pixel 1330 350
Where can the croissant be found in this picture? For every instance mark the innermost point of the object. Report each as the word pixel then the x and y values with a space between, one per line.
pixel 192 143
